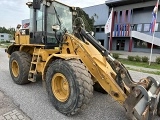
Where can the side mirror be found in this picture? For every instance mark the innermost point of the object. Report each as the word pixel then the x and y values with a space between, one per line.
pixel 36 4
pixel 55 27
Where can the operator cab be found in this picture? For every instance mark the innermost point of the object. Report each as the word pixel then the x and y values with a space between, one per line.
pixel 43 15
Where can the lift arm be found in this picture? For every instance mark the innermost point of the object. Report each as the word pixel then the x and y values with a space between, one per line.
pixel 140 99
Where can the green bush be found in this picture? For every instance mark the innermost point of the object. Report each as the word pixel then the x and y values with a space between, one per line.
pixel 2 41
pixel 115 55
pixel 158 60
pixel 130 58
pixel 137 58
pixel 145 59
pixel 7 41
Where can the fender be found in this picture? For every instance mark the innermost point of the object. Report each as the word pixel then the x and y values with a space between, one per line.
pixel 12 48
pixel 54 57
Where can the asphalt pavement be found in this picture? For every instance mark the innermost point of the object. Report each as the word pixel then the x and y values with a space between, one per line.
pixel 33 100
pixel 9 110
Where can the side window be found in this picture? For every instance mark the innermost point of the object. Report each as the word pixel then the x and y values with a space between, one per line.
pixel 39 19
pixel 65 16
pixel 51 19
pixel 51 39
pixel 31 20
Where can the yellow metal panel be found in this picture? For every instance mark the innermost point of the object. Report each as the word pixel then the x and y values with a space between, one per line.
pixel 66 56
pixel 17 39
pixel 40 66
pixel 98 67
pixel 87 53
pixel 22 39
pixel 68 48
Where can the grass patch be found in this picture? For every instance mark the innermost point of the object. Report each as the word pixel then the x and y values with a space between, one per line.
pixel 145 71
pixel 117 53
pixel 4 45
pixel 140 64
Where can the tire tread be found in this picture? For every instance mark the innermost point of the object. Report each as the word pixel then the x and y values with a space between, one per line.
pixel 25 59
pixel 83 81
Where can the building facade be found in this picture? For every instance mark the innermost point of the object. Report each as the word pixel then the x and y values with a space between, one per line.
pixel 130 25
pixel 4 36
pixel 100 15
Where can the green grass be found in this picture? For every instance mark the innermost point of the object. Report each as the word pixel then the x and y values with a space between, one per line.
pixel 4 45
pixel 140 64
pixel 143 65
pixel 117 53
pixel 145 71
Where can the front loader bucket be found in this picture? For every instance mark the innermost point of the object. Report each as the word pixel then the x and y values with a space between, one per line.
pixel 142 103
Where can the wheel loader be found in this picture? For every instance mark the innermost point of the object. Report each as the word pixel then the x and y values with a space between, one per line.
pixel 71 62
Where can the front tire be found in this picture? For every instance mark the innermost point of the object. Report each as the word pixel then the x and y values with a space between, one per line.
pixel 19 65
pixel 69 86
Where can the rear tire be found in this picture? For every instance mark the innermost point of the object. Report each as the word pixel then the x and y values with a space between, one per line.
pixel 80 86
pixel 19 65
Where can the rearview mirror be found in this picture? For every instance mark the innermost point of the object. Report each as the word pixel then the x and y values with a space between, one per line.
pixel 55 27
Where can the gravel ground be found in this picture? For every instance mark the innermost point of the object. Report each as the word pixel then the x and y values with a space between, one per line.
pixel 33 100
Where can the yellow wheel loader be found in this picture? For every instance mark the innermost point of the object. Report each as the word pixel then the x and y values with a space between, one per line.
pixel 71 62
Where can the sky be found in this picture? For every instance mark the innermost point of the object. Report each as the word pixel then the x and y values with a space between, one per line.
pixel 12 12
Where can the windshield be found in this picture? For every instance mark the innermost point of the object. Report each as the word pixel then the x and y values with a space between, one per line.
pixel 65 16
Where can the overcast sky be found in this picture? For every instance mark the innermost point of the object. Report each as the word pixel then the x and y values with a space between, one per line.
pixel 13 11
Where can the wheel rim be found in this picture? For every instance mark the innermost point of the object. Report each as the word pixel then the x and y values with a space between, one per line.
pixel 15 68
pixel 60 87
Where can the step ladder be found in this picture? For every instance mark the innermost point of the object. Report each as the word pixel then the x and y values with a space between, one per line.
pixel 33 68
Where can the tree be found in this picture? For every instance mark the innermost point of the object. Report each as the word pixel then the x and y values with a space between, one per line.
pixel 88 22
pixel 3 30
pixel 10 31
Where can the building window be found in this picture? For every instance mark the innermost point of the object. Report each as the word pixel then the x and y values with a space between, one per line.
pixel 101 41
pixel 102 29
pixel 133 27
pixel 139 27
pixel 140 44
pixel 156 26
pixel 146 27
pixel 2 39
pixel 2 35
pixel 97 29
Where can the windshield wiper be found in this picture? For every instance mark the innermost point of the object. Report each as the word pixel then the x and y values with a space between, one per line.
pixel 57 16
